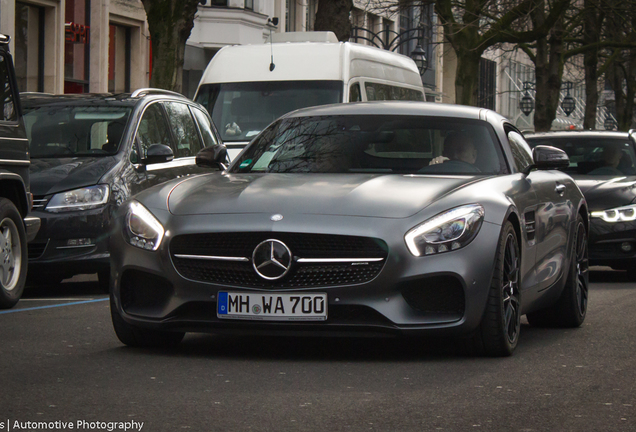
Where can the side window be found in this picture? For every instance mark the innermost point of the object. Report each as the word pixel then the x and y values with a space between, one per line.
pixel 382 92
pixel 153 129
pixel 354 93
pixel 205 127
pixel 521 152
pixel 184 129
pixel 8 112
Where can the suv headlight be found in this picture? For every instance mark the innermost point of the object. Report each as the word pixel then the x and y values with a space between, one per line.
pixel 142 229
pixel 79 199
pixel 618 214
pixel 446 232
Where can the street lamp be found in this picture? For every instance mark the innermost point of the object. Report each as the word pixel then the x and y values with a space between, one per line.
pixel 419 57
pixel 526 104
pixel 568 104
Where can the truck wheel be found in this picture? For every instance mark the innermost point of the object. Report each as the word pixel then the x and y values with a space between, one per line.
pixel 13 255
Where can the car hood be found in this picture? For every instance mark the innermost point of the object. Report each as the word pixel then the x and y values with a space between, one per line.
pixel 388 196
pixel 605 193
pixel 52 175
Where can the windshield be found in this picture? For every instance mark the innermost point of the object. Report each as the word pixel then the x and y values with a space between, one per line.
pixel 594 156
pixel 241 110
pixel 56 132
pixel 374 144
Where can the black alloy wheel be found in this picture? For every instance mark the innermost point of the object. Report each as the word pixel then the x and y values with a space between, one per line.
pixel 571 307
pixel 511 305
pixel 498 332
pixel 582 269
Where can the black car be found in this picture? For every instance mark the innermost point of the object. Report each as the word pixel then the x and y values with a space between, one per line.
pixel 89 154
pixel 603 164
pixel 16 228
pixel 384 218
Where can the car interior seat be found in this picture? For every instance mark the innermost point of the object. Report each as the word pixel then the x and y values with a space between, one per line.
pixel 115 131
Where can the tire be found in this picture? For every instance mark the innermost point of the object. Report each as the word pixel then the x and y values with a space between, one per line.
pixel 134 336
pixel 103 279
pixel 498 332
pixel 571 308
pixel 13 255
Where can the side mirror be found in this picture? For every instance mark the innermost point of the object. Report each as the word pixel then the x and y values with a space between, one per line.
pixel 212 157
pixel 547 158
pixel 158 153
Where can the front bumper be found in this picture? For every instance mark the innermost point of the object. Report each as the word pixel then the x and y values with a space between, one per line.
pixel 52 250
pixel 443 293
pixel 612 243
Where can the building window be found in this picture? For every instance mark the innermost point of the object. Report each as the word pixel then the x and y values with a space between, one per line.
pixel 76 46
pixel 119 49
pixel 290 16
pixel 487 84
pixel 249 4
pixel 29 47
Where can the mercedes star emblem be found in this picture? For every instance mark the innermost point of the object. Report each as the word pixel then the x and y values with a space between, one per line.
pixel 271 259
pixel 277 217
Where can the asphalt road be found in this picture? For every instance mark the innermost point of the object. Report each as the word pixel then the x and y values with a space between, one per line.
pixel 61 361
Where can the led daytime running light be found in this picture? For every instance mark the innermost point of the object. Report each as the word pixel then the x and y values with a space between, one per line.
pixel 619 214
pixel 139 240
pixel 459 213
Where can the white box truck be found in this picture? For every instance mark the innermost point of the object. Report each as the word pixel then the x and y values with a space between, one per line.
pixel 246 87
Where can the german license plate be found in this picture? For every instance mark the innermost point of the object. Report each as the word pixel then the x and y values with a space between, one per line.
pixel 272 306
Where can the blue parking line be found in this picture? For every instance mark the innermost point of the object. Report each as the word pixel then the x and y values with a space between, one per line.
pixel 51 306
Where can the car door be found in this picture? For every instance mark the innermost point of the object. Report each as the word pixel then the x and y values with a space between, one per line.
pixel 552 218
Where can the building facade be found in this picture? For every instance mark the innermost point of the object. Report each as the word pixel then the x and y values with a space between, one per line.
pixel 78 46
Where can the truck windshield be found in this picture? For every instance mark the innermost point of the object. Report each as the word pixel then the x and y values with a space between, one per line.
pixel 241 110
pixel 69 131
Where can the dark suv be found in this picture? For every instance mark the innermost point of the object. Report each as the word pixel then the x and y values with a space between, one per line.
pixel 15 200
pixel 89 153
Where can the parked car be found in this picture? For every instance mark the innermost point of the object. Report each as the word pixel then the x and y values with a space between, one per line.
pixel 16 226
pixel 334 221
pixel 603 165
pixel 89 154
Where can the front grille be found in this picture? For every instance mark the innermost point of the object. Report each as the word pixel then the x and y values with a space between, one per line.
pixel 39 202
pixel 301 274
pixel 36 249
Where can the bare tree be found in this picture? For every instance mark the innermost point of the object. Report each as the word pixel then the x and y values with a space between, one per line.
pixel 170 23
pixel 333 15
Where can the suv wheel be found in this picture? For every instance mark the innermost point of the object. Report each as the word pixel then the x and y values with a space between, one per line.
pixel 13 254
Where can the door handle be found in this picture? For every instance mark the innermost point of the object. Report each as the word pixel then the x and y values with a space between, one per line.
pixel 560 188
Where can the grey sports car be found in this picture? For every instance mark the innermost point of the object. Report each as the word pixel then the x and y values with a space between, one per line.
pixel 384 218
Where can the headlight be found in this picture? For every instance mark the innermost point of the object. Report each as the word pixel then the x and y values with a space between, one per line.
pixel 618 214
pixel 79 199
pixel 445 232
pixel 142 228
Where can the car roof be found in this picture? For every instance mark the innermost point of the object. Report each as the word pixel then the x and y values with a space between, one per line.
pixel 577 134
pixel 35 99
pixel 398 108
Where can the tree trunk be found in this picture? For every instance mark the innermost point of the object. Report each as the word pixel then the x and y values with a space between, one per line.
pixel 169 23
pixel 549 72
pixel 467 78
pixel 333 15
pixel 591 34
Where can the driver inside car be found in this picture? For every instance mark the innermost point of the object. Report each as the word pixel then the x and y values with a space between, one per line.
pixel 459 155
